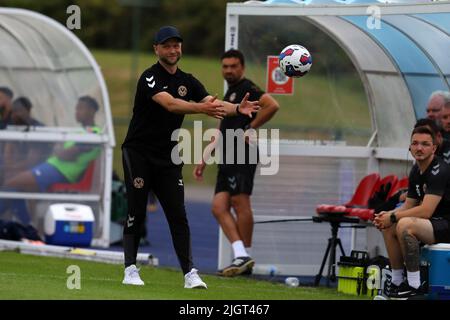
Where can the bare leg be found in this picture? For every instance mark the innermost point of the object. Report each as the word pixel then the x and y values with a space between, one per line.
pixel 242 206
pixel 409 232
pixel 393 247
pixel 24 181
pixel 221 211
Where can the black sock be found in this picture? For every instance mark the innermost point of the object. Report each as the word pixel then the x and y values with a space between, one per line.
pixel 129 249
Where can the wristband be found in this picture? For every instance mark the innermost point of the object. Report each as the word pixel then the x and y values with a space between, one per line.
pixel 393 218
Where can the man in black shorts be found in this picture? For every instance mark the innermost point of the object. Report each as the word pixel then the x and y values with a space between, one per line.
pixel 235 180
pixel 163 96
pixel 423 218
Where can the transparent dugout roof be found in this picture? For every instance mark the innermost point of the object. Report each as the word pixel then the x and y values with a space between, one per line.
pixel 43 61
pixel 400 63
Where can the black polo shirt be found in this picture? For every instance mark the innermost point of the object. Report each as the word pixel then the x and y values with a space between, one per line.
pixel 435 180
pixel 151 126
pixel 235 94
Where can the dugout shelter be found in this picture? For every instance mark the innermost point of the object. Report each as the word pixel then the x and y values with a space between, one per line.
pixel 44 61
pixel 399 53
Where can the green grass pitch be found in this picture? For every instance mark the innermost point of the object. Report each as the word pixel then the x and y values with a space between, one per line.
pixel 36 277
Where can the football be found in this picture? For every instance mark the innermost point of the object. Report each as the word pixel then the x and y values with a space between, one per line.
pixel 295 61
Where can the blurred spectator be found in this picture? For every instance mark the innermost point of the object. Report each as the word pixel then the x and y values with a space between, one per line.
pixel 6 96
pixel 22 155
pixel 21 113
pixel 436 102
pixel 445 121
pixel 66 165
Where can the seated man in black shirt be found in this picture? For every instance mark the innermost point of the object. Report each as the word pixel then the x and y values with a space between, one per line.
pixel 21 113
pixel 424 217
pixel 23 155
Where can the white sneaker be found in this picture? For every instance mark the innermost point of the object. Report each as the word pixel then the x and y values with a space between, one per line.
pixel 132 276
pixel 192 280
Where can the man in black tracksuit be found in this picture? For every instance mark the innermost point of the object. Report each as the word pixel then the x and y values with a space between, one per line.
pixel 163 96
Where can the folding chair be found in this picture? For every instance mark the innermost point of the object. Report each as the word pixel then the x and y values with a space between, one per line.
pixel 368 213
pixel 335 215
pixel 360 197
pixel 83 185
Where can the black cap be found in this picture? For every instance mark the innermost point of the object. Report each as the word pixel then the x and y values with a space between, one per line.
pixel 166 33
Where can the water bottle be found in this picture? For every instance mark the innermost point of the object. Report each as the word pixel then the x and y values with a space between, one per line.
pixel 291 282
pixel 272 271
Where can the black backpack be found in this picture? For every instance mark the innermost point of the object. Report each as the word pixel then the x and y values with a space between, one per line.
pixel 10 230
pixel 379 201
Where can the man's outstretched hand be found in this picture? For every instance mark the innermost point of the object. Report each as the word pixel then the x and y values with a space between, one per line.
pixel 248 107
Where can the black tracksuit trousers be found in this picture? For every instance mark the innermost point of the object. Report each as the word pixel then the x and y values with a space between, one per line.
pixel 142 173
